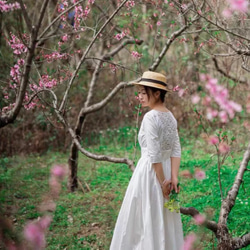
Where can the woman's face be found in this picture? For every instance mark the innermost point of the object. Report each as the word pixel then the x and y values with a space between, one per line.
pixel 144 98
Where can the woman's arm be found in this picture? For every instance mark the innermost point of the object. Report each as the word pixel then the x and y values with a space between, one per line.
pixel 165 184
pixel 175 165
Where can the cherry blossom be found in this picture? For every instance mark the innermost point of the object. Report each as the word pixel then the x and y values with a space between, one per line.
pixel 176 88
pixel 136 55
pixel 16 44
pixel 213 140
pixel 6 7
pixel 199 174
pixel 199 219
pixel 195 99
pixel 189 241
pixel 58 171
pixel 238 5
pixel 224 148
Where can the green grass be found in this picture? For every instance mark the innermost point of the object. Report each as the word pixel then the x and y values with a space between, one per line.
pixel 85 219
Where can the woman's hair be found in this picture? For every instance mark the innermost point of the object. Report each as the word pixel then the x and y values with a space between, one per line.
pixel 162 92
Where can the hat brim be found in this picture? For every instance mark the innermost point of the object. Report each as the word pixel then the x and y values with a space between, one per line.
pixel 153 85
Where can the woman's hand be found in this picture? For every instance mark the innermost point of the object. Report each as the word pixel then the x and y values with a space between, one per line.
pixel 174 185
pixel 166 188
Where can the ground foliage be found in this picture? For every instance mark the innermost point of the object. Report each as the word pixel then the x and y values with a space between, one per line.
pixel 85 219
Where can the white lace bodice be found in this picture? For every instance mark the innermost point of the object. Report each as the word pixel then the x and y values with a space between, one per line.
pixel 158 134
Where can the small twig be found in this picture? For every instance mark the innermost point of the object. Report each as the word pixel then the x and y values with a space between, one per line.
pixel 80 184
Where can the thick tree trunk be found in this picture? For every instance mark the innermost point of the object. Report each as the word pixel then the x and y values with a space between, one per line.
pixel 73 159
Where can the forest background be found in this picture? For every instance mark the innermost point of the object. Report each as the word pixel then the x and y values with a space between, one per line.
pixel 66 74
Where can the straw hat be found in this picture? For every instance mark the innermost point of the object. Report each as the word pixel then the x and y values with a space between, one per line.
pixel 154 79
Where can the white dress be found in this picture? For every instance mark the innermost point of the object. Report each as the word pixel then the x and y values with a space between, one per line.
pixel 143 222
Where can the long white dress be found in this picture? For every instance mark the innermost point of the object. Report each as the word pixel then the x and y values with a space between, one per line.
pixel 143 222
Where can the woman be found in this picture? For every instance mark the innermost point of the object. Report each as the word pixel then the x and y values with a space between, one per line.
pixel 143 222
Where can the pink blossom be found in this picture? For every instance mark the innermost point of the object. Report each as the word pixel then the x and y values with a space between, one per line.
pixel 55 186
pixel 65 37
pixel 189 241
pixel 176 88
pixel 35 235
pixel 130 4
pixel 206 101
pixel 136 55
pixel 6 7
pixel 181 92
pixel 213 140
pixel 227 13
pixel 224 148
pixel 45 222
pixel 158 23
pixel 58 171
pixel 17 46
pixel 246 125
pixel 199 219
pixel 195 99
pixel 239 5
pixel 91 1
pixel 211 113
pixel 223 116
pixel 199 174
pixel 203 77
pixel 119 36
pixel 171 4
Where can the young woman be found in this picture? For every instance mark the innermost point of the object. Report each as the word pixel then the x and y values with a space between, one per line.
pixel 143 222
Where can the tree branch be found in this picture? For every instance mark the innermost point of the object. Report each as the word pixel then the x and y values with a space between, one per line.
pixel 25 15
pixel 86 52
pixel 229 202
pixel 193 211
pixel 225 74
pixel 240 242
pixel 169 42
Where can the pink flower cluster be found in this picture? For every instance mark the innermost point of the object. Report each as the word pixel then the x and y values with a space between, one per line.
pixel 119 36
pixel 189 241
pixel 6 7
pixel 130 4
pixel 136 55
pixel 199 174
pixel 199 219
pixel 17 46
pixel 34 232
pixel 15 73
pixel 220 95
pixel 240 6
pixel 55 56
pixel 47 82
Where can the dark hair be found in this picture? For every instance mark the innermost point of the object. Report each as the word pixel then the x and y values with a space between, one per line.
pixel 162 92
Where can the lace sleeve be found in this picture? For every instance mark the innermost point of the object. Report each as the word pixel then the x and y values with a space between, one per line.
pixel 176 149
pixel 152 139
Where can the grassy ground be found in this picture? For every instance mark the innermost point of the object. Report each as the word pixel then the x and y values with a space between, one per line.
pixel 85 219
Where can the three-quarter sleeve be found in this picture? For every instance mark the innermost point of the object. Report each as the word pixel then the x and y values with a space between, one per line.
pixel 152 139
pixel 176 149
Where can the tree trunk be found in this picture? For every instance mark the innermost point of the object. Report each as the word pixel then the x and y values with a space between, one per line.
pixel 224 238
pixel 73 159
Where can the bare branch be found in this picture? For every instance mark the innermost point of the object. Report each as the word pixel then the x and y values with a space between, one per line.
pixel 225 74
pixel 86 52
pixel 25 15
pixel 105 101
pixel 89 154
pixel 240 242
pixel 42 12
pixel 193 211
pixel 229 202
pixel 168 43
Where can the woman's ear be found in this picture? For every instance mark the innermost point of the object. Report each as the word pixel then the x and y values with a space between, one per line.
pixel 157 94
